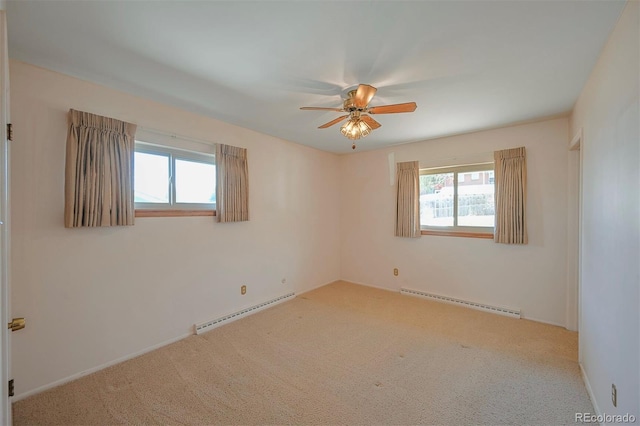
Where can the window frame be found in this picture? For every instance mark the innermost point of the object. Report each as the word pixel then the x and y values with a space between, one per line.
pixel 455 230
pixel 173 208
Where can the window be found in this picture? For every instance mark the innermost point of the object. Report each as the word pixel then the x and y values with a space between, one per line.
pixel 172 179
pixel 450 204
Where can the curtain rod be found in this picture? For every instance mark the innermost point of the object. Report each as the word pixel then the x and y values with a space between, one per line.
pixel 176 136
pixel 464 157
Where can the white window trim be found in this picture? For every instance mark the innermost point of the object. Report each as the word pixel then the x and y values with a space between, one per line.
pixel 174 154
pixel 466 168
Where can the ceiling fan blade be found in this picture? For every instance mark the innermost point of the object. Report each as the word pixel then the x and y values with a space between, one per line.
pixel 370 121
pixel 363 95
pixel 392 109
pixel 332 122
pixel 321 109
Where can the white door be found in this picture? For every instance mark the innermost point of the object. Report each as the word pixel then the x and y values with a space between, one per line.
pixel 5 294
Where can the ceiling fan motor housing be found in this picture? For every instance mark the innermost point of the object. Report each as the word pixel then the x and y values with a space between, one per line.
pixel 349 104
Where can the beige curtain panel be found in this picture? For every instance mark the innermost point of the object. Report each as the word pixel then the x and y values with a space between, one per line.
pixel 232 184
pixel 511 196
pixel 99 171
pixel 408 200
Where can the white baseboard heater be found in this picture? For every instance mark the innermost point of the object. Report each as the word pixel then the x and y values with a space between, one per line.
pixel 513 313
pixel 210 325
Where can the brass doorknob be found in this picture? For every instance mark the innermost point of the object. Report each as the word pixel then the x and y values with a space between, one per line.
pixel 17 324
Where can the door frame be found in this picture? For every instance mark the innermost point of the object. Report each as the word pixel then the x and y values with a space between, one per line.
pixel 576 147
pixel 5 288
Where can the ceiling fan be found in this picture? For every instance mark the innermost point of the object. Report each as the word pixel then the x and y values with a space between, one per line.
pixel 357 106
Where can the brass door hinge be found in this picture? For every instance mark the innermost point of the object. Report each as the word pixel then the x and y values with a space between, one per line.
pixel 17 324
pixel 9 132
pixel 11 387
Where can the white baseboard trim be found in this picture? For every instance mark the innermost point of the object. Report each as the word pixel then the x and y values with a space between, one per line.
pixel 393 290
pixel 585 378
pixel 396 290
pixel 73 377
pixel 226 319
pixel 544 322
pixel 299 293
pixel 500 310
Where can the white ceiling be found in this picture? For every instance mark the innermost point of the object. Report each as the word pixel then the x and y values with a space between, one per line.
pixel 469 65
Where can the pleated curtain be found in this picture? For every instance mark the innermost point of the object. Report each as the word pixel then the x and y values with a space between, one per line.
pixel 408 200
pixel 232 184
pixel 99 171
pixel 510 196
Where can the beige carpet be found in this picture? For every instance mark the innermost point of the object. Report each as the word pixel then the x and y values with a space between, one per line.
pixel 341 354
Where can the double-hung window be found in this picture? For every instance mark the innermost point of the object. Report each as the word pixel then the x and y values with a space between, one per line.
pixel 173 179
pixel 457 200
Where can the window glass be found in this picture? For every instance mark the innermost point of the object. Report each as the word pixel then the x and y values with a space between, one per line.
pixel 195 182
pixel 151 178
pixel 475 202
pixel 459 198
pixel 168 178
pixel 436 199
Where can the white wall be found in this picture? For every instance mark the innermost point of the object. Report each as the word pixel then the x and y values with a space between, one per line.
pixel 530 277
pixel 607 112
pixel 92 296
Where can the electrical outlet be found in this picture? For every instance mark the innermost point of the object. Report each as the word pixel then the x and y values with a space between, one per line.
pixel 243 289
pixel 395 271
pixel 614 395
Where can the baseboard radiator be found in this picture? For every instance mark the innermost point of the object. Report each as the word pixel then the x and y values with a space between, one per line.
pixel 210 325
pixel 513 313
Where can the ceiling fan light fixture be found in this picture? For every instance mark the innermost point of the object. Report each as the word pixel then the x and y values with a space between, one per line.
pixel 355 128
